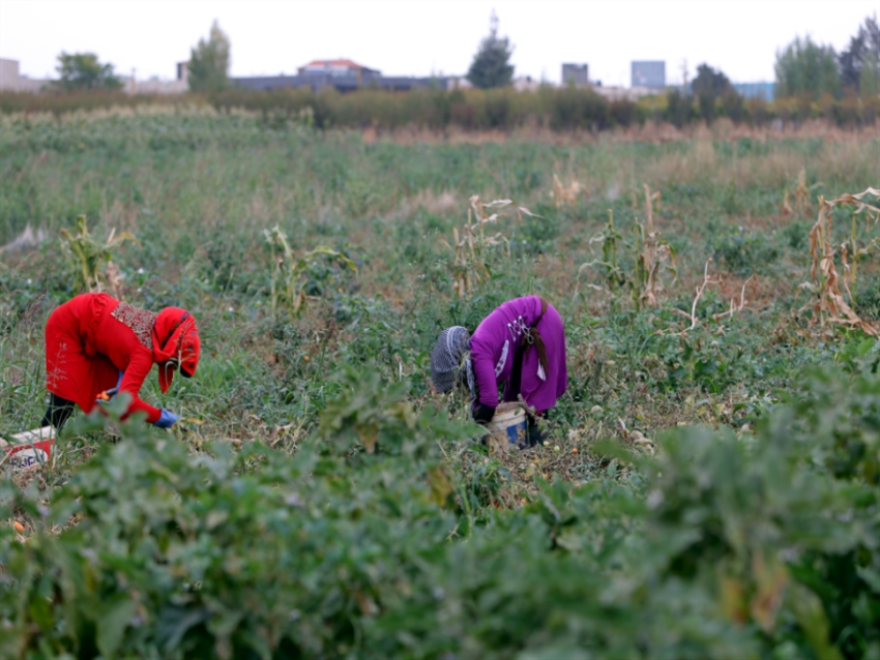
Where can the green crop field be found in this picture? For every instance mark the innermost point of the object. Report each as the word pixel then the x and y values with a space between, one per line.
pixel 711 483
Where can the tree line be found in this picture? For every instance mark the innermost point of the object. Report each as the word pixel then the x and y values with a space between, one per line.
pixel 812 81
pixel 803 68
pixel 560 109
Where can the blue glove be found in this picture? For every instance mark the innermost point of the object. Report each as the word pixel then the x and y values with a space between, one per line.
pixel 166 420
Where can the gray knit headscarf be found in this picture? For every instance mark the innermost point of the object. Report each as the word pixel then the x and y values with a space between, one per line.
pixel 451 355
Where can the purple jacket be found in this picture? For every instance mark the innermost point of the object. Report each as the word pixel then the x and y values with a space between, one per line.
pixel 492 351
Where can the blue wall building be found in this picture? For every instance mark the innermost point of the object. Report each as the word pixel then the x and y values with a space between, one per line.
pixel 757 90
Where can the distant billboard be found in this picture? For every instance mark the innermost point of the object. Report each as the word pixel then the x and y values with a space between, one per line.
pixel 648 74
pixel 575 74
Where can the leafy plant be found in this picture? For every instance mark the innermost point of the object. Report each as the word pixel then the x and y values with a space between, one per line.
pixel 610 240
pixel 719 546
pixel 743 252
pixel 652 257
pixel 290 274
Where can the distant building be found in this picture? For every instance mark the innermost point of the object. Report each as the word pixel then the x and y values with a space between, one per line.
pixel 344 76
pixel 526 84
pixel 648 74
pixel 348 83
pixel 575 74
pixel 615 93
pixel 757 90
pixel 155 85
pixel 11 79
pixel 341 69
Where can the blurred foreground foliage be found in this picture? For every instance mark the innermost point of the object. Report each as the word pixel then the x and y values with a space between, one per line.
pixel 368 542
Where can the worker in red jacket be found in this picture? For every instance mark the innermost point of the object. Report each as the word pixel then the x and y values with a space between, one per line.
pixel 97 346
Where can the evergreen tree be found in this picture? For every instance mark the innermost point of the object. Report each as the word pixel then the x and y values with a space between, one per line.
pixel 869 78
pixel 209 62
pixel 859 64
pixel 710 81
pixel 491 66
pixel 84 71
pixel 806 69
pixel 708 86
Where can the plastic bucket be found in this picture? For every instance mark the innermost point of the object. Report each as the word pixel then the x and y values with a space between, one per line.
pixel 27 457
pixel 508 426
pixel 30 449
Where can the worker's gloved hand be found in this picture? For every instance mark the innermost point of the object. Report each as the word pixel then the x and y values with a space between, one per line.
pixel 483 414
pixel 166 420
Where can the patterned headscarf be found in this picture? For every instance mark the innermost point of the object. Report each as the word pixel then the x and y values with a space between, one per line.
pixel 451 355
pixel 175 336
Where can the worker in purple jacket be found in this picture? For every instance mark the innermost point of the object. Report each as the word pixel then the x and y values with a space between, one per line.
pixel 521 344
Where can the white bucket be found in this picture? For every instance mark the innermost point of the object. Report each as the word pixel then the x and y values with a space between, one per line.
pixel 508 426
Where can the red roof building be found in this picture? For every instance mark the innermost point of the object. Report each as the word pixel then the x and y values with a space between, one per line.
pixel 341 67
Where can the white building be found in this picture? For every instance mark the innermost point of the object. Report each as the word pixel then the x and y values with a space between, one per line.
pixel 11 79
pixel 526 84
pixel 625 93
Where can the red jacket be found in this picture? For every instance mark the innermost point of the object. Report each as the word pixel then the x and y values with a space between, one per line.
pixel 89 340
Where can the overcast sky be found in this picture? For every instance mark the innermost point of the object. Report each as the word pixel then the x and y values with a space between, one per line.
pixel 421 37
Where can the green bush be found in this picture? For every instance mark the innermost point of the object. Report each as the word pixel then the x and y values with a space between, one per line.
pixel 366 543
pixel 578 109
pixel 744 253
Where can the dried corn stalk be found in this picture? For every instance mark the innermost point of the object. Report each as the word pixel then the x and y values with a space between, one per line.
pixel 733 309
pixel 610 239
pixel 829 305
pixel 566 195
pixel 786 204
pixel 652 256
pixel 802 202
pixel 472 247
pixel 88 256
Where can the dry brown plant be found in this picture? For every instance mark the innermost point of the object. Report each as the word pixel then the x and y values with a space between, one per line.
pixel 802 202
pixel 786 204
pixel 88 256
pixel 701 289
pixel 472 246
pixel 567 195
pixel 653 255
pixel 734 308
pixel 829 305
